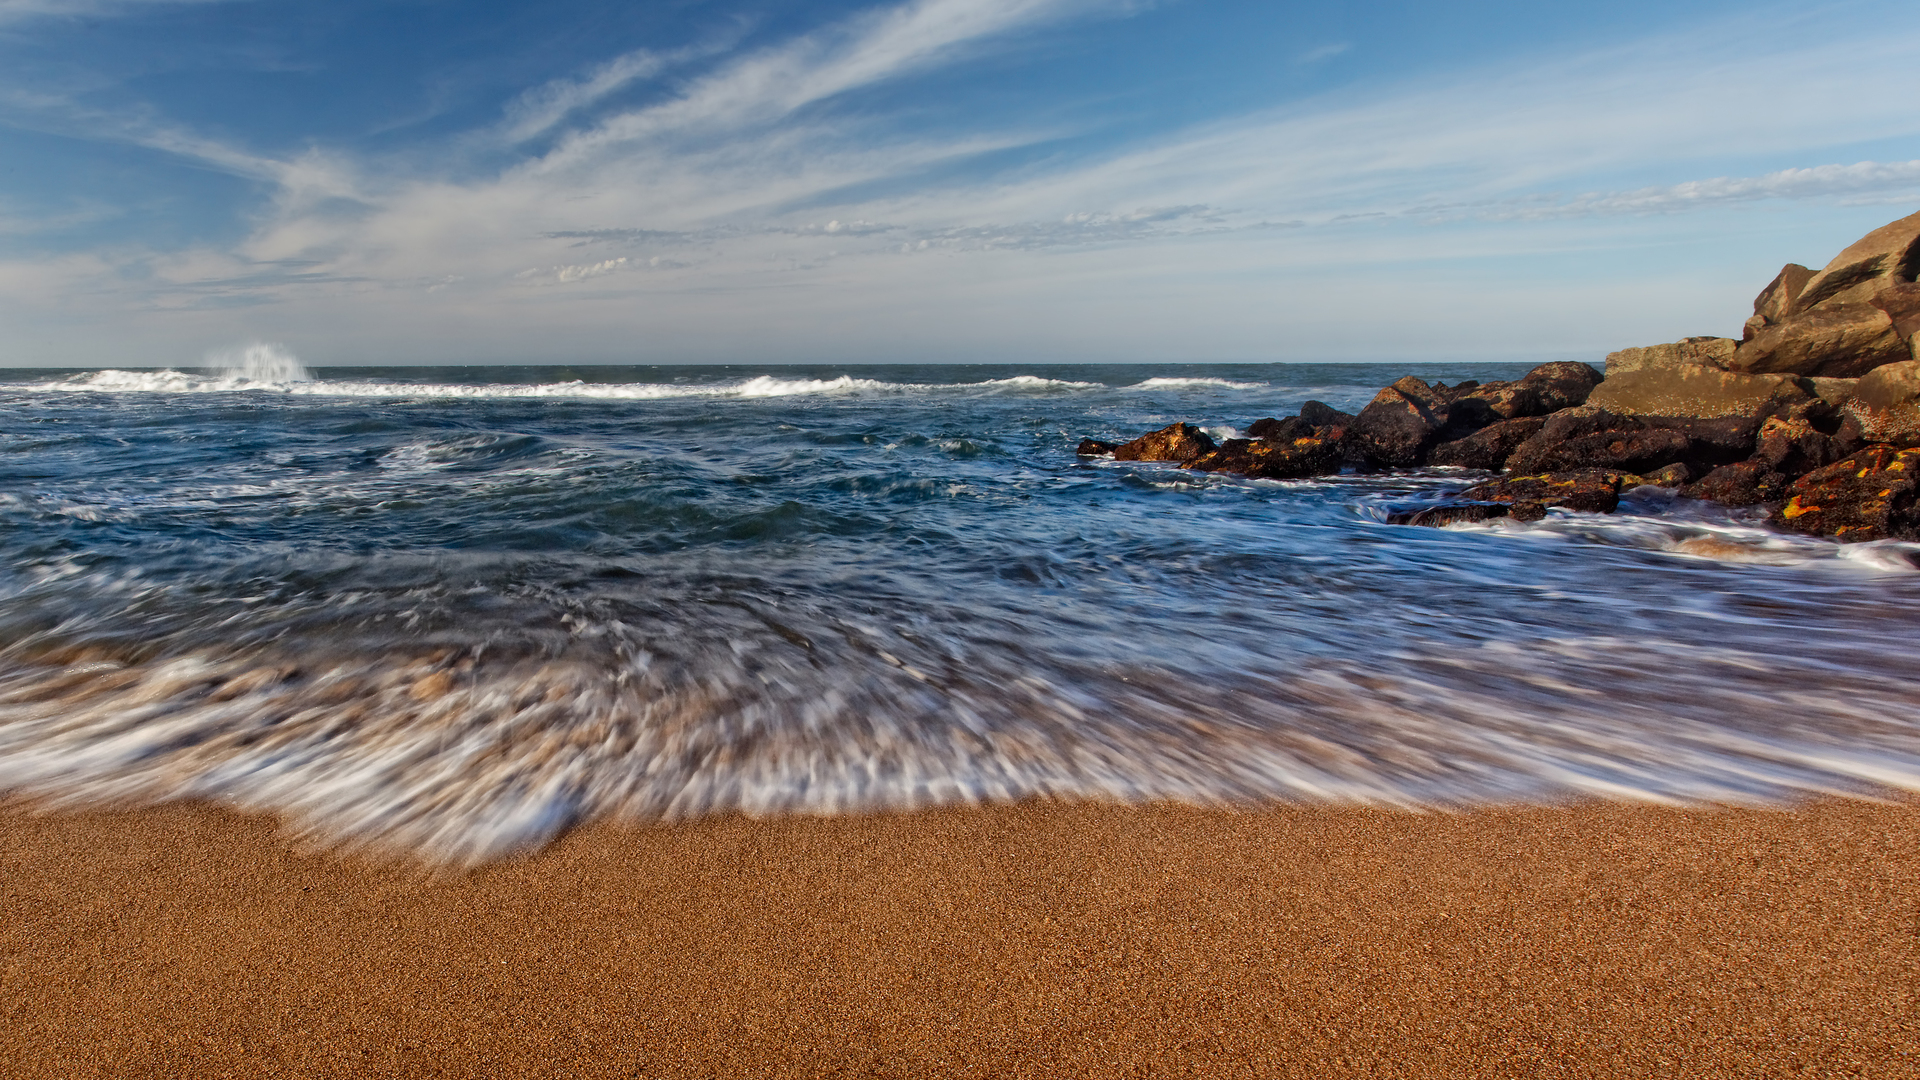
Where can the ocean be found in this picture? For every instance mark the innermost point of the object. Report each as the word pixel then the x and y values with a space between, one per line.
pixel 450 612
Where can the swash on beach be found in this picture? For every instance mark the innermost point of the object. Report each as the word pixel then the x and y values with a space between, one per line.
pixel 454 611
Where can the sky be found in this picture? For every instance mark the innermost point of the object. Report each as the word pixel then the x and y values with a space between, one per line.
pixel 996 181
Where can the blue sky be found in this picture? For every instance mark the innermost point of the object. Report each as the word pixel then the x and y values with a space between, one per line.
pixel 940 180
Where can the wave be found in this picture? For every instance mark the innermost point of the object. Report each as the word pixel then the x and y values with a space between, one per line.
pixel 1195 383
pixel 260 376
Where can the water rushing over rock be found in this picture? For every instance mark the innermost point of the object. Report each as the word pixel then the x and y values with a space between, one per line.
pixel 450 613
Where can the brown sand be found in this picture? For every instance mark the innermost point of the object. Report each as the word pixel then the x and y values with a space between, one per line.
pixel 1027 941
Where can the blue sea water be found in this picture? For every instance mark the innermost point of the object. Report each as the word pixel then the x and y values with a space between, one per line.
pixel 454 611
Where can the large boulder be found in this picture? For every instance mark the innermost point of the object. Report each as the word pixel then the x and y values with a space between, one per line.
pixel 1792 445
pixel 1869 496
pixel 1528 497
pixel 1490 447
pixel 1546 389
pixel 1592 436
pixel 1858 312
pixel 1743 483
pixel 1776 300
pixel 1275 459
pixel 1695 391
pixel 1885 405
pixel 1401 422
pixel 1886 256
pixel 1175 442
pixel 1708 351
pixel 1836 341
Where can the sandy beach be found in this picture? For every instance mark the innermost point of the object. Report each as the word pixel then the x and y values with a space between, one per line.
pixel 1033 940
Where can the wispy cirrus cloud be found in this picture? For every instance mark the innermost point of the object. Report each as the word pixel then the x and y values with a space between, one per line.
pixel 748 177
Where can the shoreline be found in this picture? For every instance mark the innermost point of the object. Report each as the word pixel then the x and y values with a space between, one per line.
pixel 1037 939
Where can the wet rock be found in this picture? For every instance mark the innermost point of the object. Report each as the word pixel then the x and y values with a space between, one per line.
pixel 1561 385
pixel 1592 490
pixel 1450 514
pixel 1320 414
pixel 1271 459
pixel 1490 447
pixel 1095 448
pixel 1175 442
pixel 1593 437
pixel 1693 351
pixel 1293 427
pixel 1401 422
pixel 1744 483
pixel 1697 390
pixel 1869 496
pixel 1670 476
pixel 1795 446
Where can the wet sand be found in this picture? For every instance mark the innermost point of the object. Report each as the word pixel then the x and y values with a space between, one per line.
pixel 1036 940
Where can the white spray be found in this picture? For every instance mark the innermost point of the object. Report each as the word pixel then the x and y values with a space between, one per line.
pixel 259 362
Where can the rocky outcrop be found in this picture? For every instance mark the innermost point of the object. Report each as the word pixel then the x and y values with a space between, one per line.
pixel 1710 351
pixel 1869 496
pixel 1691 391
pixel 1858 312
pixel 1528 497
pixel 1401 423
pixel 1490 447
pixel 1292 458
pixel 1175 442
pixel 1814 413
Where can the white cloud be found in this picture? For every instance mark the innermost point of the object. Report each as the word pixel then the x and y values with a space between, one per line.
pixel 21 10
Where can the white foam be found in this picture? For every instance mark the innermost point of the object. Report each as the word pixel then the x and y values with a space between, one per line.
pixel 263 376
pixel 1183 383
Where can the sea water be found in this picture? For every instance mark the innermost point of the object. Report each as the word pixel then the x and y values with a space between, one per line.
pixel 451 612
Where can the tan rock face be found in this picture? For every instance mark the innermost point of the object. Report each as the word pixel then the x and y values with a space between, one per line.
pixel 1712 351
pixel 1839 341
pixel 1776 300
pixel 1694 390
pixel 1888 255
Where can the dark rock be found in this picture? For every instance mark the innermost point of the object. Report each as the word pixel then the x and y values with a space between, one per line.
pixel 1744 483
pixel 1401 422
pixel 1560 385
pixel 1869 496
pixel 1320 414
pixel 1175 442
pixel 1450 514
pixel 1795 446
pixel 1631 450
pixel 1670 476
pixel 1293 427
pixel 1490 447
pixel 1275 460
pixel 1593 490
pixel 1095 448
pixel 1592 437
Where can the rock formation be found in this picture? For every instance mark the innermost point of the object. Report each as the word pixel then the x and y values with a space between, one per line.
pixel 1813 413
